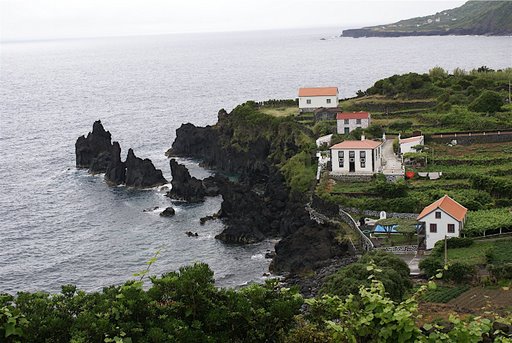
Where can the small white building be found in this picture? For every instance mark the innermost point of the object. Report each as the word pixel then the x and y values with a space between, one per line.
pixel 362 157
pixel 445 217
pixel 313 98
pixel 407 144
pixel 349 121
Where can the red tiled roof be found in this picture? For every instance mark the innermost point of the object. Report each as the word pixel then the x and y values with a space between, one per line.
pixel 352 115
pixel 448 205
pixel 319 91
pixel 411 139
pixel 366 144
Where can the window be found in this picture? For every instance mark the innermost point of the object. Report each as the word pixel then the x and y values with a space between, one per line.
pixel 341 155
pixel 433 228
pixel 438 215
pixel 328 101
pixel 346 131
pixel 308 101
pixel 345 121
pixel 351 154
pixel 358 121
pixel 451 228
pixel 362 158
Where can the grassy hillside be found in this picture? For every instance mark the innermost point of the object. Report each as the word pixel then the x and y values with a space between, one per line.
pixel 472 18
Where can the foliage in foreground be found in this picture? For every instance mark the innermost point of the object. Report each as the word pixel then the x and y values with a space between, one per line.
pixel 185 306
pixel 182 306
pixel 373 317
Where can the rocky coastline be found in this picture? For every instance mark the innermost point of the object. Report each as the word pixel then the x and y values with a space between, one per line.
pixel 260 205
pixel 369 32
pixel 98 154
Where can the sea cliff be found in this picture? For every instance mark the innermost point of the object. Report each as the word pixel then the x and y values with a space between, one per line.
pixel 255 147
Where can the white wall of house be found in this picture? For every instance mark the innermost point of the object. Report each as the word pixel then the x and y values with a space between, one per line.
pixel 407 147
pixel 317 102
pixel 441 227
pixel 369 164
pixel 352 124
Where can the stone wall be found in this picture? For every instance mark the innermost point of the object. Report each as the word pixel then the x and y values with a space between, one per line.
pixel 376 214
pixel 472 137
pixel 400 249
pixel 351 177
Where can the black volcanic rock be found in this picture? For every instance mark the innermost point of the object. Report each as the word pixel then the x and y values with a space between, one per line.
pixel 309 248
pixel 259 205
pixel 184 186
pixel 245 215
pixel 168 212
pixel 141 172
pixel 116 170
pixel 93 151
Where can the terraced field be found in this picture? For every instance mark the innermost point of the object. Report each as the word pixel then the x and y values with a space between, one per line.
pixel 478 298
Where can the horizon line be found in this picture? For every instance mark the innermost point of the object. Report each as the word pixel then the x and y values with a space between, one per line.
pixel 78 37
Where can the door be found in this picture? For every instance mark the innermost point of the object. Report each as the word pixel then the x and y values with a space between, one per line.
pixel 347 131
pixel 352 166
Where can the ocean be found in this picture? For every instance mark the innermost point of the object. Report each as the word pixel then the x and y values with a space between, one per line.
pixel 60 225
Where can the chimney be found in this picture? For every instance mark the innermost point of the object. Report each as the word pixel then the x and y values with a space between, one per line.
pixel 363 137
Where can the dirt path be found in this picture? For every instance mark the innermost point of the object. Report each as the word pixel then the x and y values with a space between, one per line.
pixel 392 164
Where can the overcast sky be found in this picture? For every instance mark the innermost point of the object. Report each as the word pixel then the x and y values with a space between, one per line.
pixel 43 19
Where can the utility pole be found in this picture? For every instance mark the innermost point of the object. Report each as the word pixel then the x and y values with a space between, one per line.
pixel 445 250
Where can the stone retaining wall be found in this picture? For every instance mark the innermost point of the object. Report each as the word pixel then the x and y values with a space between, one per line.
pixel 351 177
pixel 400 249
pixel 472 138
pixel 376 214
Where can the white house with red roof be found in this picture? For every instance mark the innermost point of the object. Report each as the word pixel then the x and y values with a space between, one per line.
pixel 313 98
pixel 349 121
pixel 407 144
pixel 444 217
pixel 362 157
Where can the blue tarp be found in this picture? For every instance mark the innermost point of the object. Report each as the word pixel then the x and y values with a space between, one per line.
pixel 380 229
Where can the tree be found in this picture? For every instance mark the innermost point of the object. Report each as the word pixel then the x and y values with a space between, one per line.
pixel 374 131
pixel 488 101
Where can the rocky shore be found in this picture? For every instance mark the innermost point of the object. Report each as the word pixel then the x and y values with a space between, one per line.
pixel 98 154
pixel 260 205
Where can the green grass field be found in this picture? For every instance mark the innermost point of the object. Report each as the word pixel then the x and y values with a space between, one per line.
pixel 280 111
pixel 476 254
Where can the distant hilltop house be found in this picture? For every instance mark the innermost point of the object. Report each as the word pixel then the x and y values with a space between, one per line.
pixel 313 98
pixel 408 144
pixel 362 157
pixel 444 217
pixel 349 121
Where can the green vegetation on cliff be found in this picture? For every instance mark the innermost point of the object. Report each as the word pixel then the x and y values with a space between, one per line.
pixel 291 144
pixel 472 18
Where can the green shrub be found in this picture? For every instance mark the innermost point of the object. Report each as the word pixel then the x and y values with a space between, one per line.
pixel 488 101
pixel 459 272
pixel 394 275
pixel 431 265
pixel 459 242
